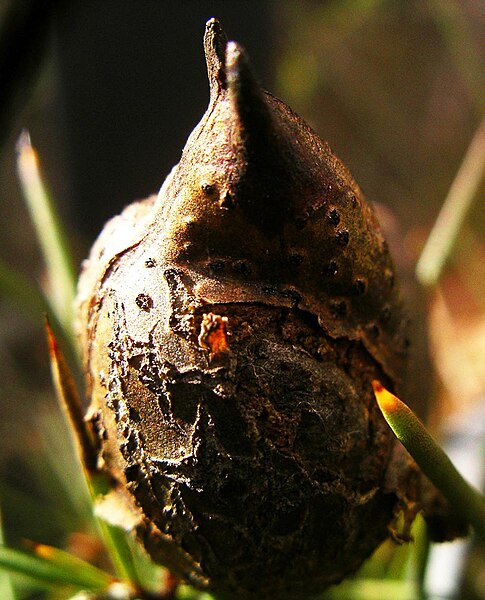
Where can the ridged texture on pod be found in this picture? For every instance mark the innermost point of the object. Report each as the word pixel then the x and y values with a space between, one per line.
pixel 231 329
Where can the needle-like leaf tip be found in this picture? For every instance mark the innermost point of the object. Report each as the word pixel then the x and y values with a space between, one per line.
pixel 51 339
pixel 70 401
pixel 465 501
pixel 387 402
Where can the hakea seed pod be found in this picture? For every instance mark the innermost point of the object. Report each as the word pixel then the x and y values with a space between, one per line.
pixel 232 327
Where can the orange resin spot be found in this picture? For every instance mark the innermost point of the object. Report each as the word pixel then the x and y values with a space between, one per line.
pixel 213 334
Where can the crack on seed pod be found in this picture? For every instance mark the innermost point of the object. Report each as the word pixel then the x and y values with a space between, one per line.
pixel 333 216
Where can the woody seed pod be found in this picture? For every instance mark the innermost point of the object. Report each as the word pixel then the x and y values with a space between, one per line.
pixel 231 329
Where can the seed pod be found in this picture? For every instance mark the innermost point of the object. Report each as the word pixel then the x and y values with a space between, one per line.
pixel 231 329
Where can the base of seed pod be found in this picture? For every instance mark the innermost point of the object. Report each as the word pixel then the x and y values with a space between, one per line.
pixel 267 467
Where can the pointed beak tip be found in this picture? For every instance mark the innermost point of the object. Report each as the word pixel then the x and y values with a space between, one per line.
pixel 213 25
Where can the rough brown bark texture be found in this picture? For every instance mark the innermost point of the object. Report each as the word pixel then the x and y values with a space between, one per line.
pixel 231 329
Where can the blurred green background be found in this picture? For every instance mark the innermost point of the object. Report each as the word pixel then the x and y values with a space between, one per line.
pixel 109 92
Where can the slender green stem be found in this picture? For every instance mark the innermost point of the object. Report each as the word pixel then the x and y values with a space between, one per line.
pixel 420 555
pixel 443 236
pixel 114 537
pixel 52 238
pixel 121 553
pixel 464 499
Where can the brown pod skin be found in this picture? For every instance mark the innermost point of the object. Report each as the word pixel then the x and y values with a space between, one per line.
pixel 231 329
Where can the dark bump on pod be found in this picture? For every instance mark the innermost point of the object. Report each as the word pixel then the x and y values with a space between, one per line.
pixel 295 258
pixel 242 267
pixel 150 263
pixel 216 266
pixel 227 200
pixel 372 330
pixel 144 302
pixel 332 269
pixel 342 237
pixel 333 216
pixel 359 286
pixel 300 222
pixel 339 307
pixel 208 188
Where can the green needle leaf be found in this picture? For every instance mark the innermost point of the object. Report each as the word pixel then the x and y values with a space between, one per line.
pixel 370 589
pixel 6 589
pixel 73 564
pixel 53 241
pixel 461 194
pixel 465 500
pixel 59 569
pixel 19 291
pixel 186 592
